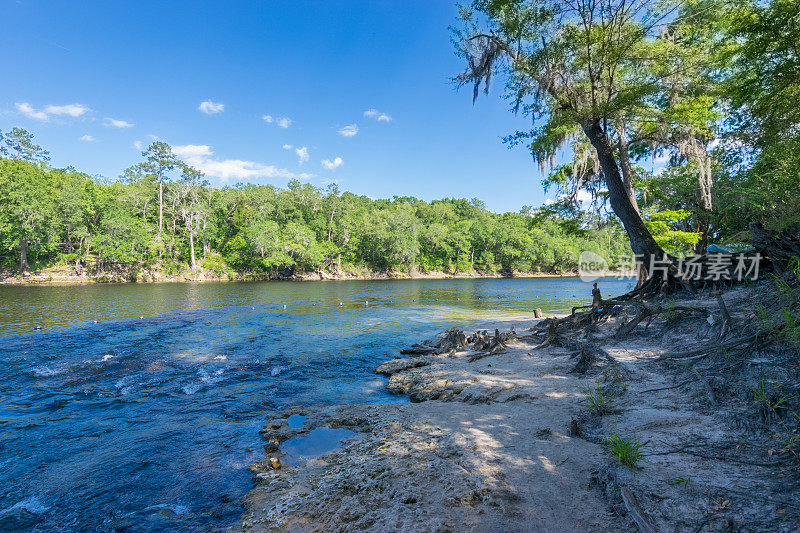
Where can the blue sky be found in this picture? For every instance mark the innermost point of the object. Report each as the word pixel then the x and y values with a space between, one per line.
pixel 94 80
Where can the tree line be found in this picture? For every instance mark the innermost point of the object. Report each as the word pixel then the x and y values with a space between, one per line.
pixel 162 215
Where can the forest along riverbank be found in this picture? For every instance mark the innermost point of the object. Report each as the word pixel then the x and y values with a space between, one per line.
pixel 594 424
pixel 69 277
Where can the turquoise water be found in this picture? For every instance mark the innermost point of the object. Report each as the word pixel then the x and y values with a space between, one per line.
pixel 147 418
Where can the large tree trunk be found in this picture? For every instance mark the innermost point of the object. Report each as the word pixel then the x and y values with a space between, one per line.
pixel 191 250
pixel 625 165
pixel 23 255
pixel 642 242
pixel 330 224
pixel 160 205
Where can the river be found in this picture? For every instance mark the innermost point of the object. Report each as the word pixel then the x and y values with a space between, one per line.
pixel 137 407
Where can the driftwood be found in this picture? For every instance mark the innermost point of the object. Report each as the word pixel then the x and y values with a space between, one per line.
pixel 588 353
pixel 601 308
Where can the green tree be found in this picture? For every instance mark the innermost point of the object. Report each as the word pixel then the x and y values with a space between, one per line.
pixel 26 194
pixel 18 144
pixel 574 67
pixel 159 161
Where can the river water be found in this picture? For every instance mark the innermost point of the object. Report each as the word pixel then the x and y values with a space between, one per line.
pixel 137 407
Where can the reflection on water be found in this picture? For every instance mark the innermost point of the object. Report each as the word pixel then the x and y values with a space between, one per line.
pixel 149 423
pixel 316 442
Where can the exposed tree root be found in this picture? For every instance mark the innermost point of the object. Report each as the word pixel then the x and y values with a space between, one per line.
pixel 718 457
pixel 636 512
pixel 452 340
pixel 739 343
pixel 489 345
pixel 455 340
pixel 780 247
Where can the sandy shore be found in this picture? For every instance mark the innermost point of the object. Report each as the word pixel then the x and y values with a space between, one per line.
pixel 503 443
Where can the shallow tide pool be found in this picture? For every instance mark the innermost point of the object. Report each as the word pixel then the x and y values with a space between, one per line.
pixel 137 407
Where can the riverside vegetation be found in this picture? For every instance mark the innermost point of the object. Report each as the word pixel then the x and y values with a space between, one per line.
pixel 161 218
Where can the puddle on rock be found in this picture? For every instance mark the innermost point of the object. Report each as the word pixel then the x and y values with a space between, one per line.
pixel 316 442
pixel 296 421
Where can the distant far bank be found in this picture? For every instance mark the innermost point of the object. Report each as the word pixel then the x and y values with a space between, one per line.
pixel 54 276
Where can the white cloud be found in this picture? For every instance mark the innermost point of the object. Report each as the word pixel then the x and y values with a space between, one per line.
pixel 377 115
pixel 27 109
pixel 582 197
pixel 211 108
pixel 349 131
pixel 71 110
pixel 115 123
pixel 202 158
pixel 332 165
pixel 138 145
pixel 88 139
pixel 287 146
pixel 302 154
pixel 662 159
pixel 283 122
pixel 191 152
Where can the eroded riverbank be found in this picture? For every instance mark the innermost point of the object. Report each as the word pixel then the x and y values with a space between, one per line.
pixel 509 441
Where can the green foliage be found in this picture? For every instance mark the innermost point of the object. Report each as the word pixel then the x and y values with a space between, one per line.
pixel 791 441
pixel 18 144
pixel 769 401
pixel 261 230
pixel 627 452
pixel 706 90
pixel 598 400
pixel 783 323
pixel 662 226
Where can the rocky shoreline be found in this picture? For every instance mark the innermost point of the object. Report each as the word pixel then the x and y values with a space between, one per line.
pixel 511 441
